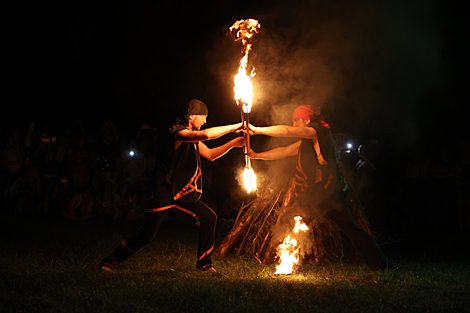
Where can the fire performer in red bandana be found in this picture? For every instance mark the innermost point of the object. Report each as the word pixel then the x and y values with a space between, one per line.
pixel 321 189
pixel 177 184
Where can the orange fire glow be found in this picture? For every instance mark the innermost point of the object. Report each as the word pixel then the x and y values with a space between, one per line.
pixel 289 252
pixel 243 88
pixel 249 180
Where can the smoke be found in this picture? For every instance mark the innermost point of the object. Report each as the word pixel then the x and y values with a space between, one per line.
pixel 285 228
pixel 374 68
pixel 368 65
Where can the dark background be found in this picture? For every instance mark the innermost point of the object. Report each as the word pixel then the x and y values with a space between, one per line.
pixel 391 74
pixel 398 67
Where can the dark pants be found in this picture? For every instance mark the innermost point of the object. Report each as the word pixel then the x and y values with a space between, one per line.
pixel 205 218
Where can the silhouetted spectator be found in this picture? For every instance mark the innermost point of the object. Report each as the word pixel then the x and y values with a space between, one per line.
pixel 13 160
pixel 62 149
pixel 132 161
pixel 61 196
pixel 127 205
pixel 148 140
pixel 141 197
pixel 30 136
pixel 27 191
pixel 50 173
pixel 80 207
pixel 463 188
pixel 105 201
pixel 78 166
pixel 105 155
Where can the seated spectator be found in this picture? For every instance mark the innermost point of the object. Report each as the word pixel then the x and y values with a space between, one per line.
pixel 105 156
pixel 62 149
pixel 61 196
pixel 31 136
pixel 13 155
pixel 27 191
pixel 105 202
pixel 146 140
pixel 141 197
pixel 80 207
pixel 78 167
pixel 132 165
pixel 50 174
pixel 13 165
pixel 127 205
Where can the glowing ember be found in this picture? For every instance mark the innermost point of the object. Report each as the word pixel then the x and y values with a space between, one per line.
pixel 243 89
pixel 289 251
pixel 249 180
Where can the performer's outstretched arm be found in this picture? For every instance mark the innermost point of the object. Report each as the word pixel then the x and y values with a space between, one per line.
pixel 284 131
pixel 186 135
pixel 212 154
pixel 276 153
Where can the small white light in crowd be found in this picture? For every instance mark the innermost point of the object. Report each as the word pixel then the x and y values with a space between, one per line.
pixel 131 153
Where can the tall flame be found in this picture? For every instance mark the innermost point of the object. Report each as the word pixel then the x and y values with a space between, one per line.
pixel 243 88
pixel 289 251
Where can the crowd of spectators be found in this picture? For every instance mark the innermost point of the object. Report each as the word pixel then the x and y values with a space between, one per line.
pixel 77 175
pixel 83 174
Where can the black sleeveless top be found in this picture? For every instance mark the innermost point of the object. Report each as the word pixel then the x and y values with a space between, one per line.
pixel 320 182
pixel 177 173
pixel 186 174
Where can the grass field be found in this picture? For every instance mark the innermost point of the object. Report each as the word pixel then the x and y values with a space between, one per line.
pixel 50 265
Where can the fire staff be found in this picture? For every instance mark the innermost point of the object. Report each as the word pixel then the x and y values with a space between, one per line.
pixel 177 184
pixel 321 189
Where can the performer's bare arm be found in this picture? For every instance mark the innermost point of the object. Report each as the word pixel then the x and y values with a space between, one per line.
pixel 187 135
pixel 284 131
pixel 276 153
pixel 212 154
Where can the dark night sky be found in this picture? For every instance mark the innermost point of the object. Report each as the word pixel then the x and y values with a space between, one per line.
pixel 379 69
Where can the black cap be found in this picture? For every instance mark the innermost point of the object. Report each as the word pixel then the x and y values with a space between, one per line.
pixel 195 107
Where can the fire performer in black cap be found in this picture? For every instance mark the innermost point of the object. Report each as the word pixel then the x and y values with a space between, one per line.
pixel 321 189
pixel 177 184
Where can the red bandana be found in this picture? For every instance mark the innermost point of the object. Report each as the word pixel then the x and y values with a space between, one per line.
pixel 305 112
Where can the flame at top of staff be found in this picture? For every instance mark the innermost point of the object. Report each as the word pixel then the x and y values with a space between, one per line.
pixel 243 87
pixel 245 29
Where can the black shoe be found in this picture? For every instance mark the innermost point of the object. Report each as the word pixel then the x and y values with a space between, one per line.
pixel 109 263
pixel 208 268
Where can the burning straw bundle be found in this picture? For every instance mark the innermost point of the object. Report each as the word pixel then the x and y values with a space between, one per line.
pixel 252 229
